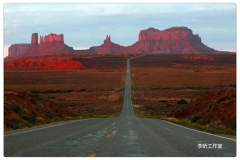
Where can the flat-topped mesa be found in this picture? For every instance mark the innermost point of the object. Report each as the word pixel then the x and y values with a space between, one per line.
pixel 16 49
pixel 49 44
pixel 171 34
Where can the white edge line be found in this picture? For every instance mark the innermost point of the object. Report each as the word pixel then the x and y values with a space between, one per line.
pixel 190 128
pixel 200 131
pixel 11 134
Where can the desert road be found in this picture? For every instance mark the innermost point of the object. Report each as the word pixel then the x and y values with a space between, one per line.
pixel 125 136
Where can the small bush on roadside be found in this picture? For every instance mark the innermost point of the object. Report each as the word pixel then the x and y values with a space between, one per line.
pixel 232 124
pixel 13 123
pixel 204 121
pixel 29 118
pixel 195 118
pixel 50 115
pixel 40 119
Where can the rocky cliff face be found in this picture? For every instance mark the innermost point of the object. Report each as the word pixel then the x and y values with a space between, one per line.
pixel 49 44
pixel 172 40
pixel 51 40
pixel 171 34
pixel 34 40
pixel 17 49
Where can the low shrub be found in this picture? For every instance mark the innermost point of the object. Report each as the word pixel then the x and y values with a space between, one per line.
pixel 16 108
pixel 182 101
pixel 162 101
pixel 13 123
pixel 50 115
pixel 232 124
pixel 40 119
pixel 195 118
pixel 34 95
pixel 20 95
pixel 204 121
pixel 29 118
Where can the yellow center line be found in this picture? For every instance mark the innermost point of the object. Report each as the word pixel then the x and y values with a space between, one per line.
pixel 108 136
pixel 91 155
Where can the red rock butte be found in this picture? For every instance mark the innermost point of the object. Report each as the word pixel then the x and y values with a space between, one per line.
pixel 34 40
pixel 177 40
pixel 173 40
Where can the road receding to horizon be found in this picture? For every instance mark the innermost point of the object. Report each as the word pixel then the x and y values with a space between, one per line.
pixel 125 136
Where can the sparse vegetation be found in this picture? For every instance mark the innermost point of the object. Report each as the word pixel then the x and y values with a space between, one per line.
pixel 195 118
pixel 66 94
pixel 204 126
pixel 20 95
pixel 29 118
pixel 232 124
pixel 169 87
pixel 13 123
pixel 16 108
pixel 50 115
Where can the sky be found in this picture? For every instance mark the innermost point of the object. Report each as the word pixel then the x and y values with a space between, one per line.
pixel 85 25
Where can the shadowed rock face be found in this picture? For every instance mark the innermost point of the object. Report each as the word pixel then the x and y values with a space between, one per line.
pixel 17 49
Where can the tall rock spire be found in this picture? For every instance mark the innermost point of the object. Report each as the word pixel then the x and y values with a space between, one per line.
pixel 34 40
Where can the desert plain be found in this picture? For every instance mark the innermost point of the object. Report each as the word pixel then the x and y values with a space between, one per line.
pixel 199 88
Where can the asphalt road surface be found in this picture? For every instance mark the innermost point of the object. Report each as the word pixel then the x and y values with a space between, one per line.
pixel 125 136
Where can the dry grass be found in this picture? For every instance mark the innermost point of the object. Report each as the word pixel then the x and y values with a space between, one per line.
pixel 66 94
pixel 160 81
pixel 172 77
pixel 42 80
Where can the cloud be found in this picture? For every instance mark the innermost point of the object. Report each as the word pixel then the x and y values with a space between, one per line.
pixel 210 7
pixel 88 24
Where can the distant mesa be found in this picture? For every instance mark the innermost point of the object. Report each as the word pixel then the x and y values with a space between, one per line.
pixel 49 44
pixel 177 40
pixel 17 49
pixel 107 47
pixel 173 40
